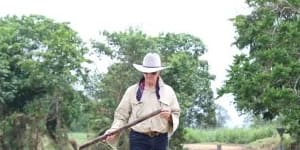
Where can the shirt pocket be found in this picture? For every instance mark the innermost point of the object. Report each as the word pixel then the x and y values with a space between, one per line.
pixel 164 103
pixel 137 109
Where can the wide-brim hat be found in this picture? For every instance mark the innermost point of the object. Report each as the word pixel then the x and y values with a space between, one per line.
pixel 151 63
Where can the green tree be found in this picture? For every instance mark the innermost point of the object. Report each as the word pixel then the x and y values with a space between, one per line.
pixel 40 63
pixel 265 81
pixel 188 75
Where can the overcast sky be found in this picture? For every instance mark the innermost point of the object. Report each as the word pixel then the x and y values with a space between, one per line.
pixel 206 19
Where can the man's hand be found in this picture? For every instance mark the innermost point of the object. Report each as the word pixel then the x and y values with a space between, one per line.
pixel 111 138
pixel 166 114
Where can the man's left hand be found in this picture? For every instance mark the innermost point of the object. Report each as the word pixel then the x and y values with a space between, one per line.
pixel 166 114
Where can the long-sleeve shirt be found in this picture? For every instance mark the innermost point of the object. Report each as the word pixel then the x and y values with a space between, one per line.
pixel 130 109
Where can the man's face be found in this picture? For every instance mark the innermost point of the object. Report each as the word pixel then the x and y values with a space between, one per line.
pixel 150 78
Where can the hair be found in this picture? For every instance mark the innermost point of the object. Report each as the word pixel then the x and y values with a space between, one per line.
pixel 141 87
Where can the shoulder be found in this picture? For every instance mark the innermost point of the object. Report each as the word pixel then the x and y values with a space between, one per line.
pixel 167 88
pixel 162 84
pixel 132 88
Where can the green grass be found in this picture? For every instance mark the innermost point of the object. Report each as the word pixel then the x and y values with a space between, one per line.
pixel 260 138
pixel 270 142
pixel 232 136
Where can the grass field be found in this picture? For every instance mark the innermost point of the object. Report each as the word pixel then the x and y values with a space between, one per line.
pixel 252 138
pixel 232 136
pixel 261 138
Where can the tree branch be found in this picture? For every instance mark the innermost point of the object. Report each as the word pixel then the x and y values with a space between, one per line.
pixel 295 85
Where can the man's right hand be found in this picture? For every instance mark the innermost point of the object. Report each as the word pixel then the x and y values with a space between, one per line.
pixel 111 138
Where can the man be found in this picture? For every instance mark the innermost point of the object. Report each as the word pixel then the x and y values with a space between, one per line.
pixel 148 95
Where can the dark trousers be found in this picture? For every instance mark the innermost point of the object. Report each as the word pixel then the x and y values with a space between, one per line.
pixel 140 141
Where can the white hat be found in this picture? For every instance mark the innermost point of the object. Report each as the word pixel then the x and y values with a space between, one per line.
pixel 151 63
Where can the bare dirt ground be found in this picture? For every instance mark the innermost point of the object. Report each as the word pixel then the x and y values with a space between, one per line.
pixel 213 147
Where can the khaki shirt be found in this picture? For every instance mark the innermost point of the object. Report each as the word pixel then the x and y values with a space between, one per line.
pixel 129 109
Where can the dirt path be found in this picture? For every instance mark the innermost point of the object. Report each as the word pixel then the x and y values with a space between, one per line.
pixel 213 147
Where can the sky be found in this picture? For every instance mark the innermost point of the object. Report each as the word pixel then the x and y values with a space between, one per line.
pixel 205 19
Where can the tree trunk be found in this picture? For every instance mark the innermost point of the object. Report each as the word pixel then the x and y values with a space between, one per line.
pixel 58 99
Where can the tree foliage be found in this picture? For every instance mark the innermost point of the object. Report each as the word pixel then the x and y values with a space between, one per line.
pixel 41 64
pixel 40 60
pixel 265 81
pixel 188 75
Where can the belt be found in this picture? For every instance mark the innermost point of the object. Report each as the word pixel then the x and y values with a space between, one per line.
pixel 153 133
pixel 150 133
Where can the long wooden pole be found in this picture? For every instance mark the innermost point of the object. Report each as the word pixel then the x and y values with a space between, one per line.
pixel 102 137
